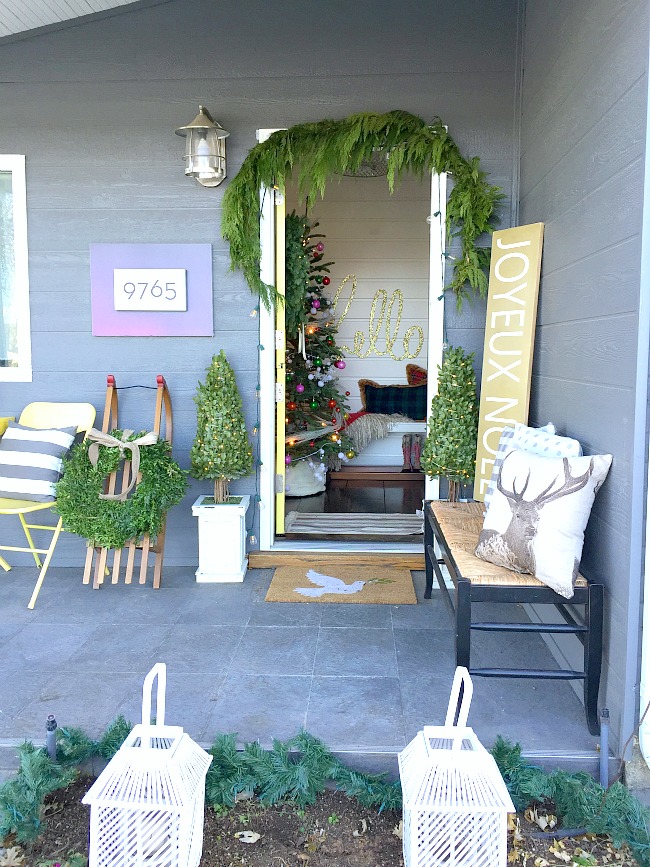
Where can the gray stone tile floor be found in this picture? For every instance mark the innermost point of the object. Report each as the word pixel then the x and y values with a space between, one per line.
pixel 364 678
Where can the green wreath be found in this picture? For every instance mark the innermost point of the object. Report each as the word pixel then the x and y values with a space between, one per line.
pixel 111 523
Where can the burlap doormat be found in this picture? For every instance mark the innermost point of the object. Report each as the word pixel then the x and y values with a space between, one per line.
pixel 319 582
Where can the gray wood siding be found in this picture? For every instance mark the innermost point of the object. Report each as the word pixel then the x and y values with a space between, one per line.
pixel 583 120
pixel 94 107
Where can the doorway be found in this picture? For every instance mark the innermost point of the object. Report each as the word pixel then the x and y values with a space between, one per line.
pixel 387 255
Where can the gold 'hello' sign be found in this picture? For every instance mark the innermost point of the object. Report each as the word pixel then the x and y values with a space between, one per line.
pixel 383 317
pixel 509 338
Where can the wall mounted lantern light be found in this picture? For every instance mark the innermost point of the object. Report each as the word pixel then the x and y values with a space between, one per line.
pixel 205 149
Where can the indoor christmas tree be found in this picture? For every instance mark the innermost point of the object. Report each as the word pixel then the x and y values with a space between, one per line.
pixel 450 447
pixel 221 450
pixel 315 406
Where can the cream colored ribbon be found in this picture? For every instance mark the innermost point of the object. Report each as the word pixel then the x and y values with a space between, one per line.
pixel 103 439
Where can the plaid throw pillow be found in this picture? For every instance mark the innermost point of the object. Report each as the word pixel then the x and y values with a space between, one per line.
pixel 416 375
pixel 408 400
pixel 31 461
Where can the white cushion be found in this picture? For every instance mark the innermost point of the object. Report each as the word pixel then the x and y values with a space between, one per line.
pixel 31 461
pixel 538 440
pixel 538 514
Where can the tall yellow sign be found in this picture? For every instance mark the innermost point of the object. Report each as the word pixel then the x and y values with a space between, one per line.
pixel 509 340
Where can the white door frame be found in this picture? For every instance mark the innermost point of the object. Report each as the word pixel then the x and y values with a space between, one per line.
pixel 437 235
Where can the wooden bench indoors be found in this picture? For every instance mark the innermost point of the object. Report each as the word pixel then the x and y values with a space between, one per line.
pixel 455 527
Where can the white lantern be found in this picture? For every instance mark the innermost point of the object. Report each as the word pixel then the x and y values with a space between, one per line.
pixel 455 803
pixel 205 149
pixel 147 806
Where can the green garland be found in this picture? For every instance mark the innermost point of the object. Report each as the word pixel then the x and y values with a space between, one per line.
pixel 297 770
pixel 330 147
pixel 580 801
pixel 111 523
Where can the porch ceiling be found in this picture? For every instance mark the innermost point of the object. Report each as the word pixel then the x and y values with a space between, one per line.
pixel 32 14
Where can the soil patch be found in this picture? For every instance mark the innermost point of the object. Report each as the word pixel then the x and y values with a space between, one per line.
pixel 335 831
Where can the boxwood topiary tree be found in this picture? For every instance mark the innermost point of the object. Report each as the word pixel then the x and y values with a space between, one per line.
pixel 221 450
pixel 450 447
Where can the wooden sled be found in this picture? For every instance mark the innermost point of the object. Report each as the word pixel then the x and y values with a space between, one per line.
pixel 97 559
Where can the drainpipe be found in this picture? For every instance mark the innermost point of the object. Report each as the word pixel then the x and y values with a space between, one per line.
pixel 640 437
pixel 644 685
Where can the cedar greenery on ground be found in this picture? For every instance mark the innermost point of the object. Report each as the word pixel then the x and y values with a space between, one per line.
pixel 318 151
pixel 335 831
pixel 282 794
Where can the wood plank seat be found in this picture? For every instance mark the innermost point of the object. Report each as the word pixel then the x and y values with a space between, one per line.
pixel 454 528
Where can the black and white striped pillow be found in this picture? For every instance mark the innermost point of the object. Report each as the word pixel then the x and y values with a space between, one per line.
pixel 31 461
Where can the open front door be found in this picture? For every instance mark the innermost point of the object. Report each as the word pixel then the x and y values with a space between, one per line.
pixel 272 339
pixel 280 365
pixel 437 246
pixel 272 376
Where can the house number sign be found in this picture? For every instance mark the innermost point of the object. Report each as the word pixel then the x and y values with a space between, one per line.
pixel 151 290
pixel 159 289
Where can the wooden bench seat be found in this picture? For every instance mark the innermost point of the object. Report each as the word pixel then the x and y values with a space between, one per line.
pixel 451 532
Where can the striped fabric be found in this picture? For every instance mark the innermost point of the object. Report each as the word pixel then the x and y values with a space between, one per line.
pixel 540 441
pixel 31 461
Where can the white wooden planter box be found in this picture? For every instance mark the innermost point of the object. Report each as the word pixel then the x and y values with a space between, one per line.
pixel 222 540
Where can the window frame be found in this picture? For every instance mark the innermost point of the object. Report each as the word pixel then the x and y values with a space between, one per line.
pixel 15 163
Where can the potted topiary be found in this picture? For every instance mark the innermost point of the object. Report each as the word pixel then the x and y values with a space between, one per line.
pixel 450 447
pixel 220 452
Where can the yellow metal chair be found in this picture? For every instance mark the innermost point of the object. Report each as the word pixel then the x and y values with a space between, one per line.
pixel 42 416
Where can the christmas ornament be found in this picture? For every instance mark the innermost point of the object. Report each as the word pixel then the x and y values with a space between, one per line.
pixel 331 403
pixel 347 393
pixel 314 404
pixel 350 454
pixel 340 364
pixel 300 388
pixel 287 459
pixel 320 246
pixel 326 281
pixel 316 304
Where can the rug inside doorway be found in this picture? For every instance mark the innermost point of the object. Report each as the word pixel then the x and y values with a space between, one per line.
pixel 319 582
pixel 353 523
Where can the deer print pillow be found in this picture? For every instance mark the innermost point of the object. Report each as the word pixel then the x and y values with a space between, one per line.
pixel 538 513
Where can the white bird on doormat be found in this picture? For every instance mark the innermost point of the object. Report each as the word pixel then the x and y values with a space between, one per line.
pixel 328 584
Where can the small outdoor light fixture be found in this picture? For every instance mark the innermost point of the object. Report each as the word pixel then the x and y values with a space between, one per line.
pixel 205 149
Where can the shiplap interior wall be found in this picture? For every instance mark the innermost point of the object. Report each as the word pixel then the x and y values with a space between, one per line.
pixel 582 159
pixel 382 240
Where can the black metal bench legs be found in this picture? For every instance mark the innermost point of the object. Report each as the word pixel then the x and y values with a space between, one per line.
pixel 588 627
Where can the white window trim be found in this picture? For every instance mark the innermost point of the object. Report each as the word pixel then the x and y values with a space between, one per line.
pixel 15 163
